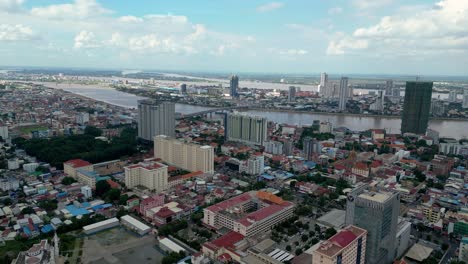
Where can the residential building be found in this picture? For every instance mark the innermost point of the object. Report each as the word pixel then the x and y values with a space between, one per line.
pixel 343 94
pixel 234 85
pixel 383 208
pixel 325 127
pixel 452 96
pixel 82 118
pixel 402 237
pixel 13 164
pixel 183 88
pixel 323 83
pixel 416 107
pixel 89 178
pixel 246 128
pixel 292 94
pixel 70 167
pixel 273 147
pixel 249 214
pixel 311 146
pixel 87 191
pixel 463 251
pixel 184 155
pixel 4 132
pixel 254 165
pixel 348 246
pixel 155 118
pixel 9 183
pixel 465 98
pixel 149 174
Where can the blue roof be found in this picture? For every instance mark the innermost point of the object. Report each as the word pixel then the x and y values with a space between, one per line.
pixel 102 178
pixel 75 211
pixel 27 231
pixel 47 229
pixel 86 204
pixel 268 177
pixel 101 206
pixel 91 174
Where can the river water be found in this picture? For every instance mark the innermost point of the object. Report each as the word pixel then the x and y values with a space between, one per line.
pixel 447 128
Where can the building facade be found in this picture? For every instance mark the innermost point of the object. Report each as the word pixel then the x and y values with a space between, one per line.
pixel 149 173
pixel 184 155
pixel 234 85
pixel 155 118
pixel 311 146
pixel 70 167
pixel 348 246
pixel 343 94
pixel 383 208
pixel 292 94
pixel 389 87
pixel 416 107
pixel 245 128
pixel 249 214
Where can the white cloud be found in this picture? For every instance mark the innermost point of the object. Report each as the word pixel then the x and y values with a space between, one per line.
pixel 130 19
pixel 335 10
pixel 443 27
pixel 371 4
pixel 15 32
pixel 11 5
pixel 78 9
pixel 269 7
pixel 85 39
pixel 340 46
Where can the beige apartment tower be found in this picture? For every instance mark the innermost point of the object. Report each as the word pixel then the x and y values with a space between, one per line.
pixel 149 174
pixel 184 155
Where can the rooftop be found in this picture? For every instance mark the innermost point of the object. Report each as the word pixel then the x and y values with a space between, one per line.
pixel 380 197
pixel 77 163
pixel 340 240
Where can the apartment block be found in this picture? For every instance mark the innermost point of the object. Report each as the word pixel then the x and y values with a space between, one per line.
pixel 149 174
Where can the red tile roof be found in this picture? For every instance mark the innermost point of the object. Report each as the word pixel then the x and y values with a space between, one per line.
pixel 78 163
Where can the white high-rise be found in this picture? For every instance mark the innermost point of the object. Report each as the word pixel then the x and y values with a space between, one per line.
pixel 465 98
pixel 245 128
pixel 323 82
pixel 452 96
pixel 155 118
pixel 344 94
pixel 184 155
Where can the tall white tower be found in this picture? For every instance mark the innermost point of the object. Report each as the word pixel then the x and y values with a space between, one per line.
pixel 344 93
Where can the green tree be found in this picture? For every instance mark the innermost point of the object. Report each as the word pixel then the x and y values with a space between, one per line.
pixel 93 131
pixel 102 187
pixel 68 180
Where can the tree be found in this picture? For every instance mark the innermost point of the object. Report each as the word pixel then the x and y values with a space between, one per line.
pixel 28 210
pixel 93 131
pixel 112 195
pixel 445 246
pixel 288 247
pixel 329 232
pixel 7 201
pixel 298 251
pixel 102 187
pixel 292 185
pixel 304 238
pixel 123 199
pixel 68 180
pixel 48 205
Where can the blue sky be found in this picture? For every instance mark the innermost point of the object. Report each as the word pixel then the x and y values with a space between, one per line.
pixel 300 36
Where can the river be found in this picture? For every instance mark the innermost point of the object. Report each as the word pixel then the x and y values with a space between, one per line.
pixel 447 128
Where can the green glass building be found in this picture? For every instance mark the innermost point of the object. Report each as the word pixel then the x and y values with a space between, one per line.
pixel 416 107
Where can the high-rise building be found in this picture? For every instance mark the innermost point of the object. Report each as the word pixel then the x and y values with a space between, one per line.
pixel 245 128
pixel 416 107
pixel 292 94
pixel 323 82
pixel 348 246
pixel 155 118
pixel 452 96
pixel 378 105
pixel 465 98
pixel 4 132
pixel 389 87
pixel 377 212
pixel 344 94
pixel 234 85
pixel 311 146
pixel 184 155
pixel 183 88
pixel 463 253
pixel 149 174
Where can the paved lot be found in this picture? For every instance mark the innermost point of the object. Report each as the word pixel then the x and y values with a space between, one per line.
pixel 118 246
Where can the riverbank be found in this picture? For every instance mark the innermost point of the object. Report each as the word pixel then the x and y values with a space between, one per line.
pixel 348 114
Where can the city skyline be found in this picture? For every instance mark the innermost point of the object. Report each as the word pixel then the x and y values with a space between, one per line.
pixel 181 36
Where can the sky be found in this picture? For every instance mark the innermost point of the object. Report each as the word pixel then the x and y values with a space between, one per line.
pixel 409 37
